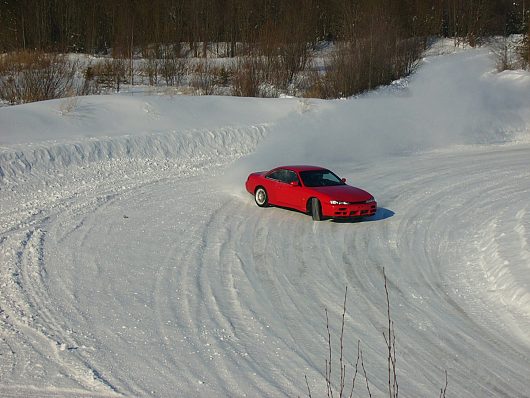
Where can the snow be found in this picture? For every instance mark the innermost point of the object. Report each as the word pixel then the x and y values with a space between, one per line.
pixel 133 263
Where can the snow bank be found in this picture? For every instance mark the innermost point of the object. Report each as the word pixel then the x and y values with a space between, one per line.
pixel 451 100
pixel 137 114
pixel 47 157
pixel 42 137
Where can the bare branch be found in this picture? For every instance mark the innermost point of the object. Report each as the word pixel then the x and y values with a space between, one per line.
pixel 365 376
pixel 444 389
pixel 342 366
pixel 308 389
pixel 328 367
pixel 356 367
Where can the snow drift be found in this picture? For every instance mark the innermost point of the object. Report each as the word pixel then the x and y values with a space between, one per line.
pixel 451 100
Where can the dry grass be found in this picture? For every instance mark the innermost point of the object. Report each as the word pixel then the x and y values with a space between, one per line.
pixel 247 77
pixel 363 64
pixel 110 73
pixel 272 66
pixel 29 76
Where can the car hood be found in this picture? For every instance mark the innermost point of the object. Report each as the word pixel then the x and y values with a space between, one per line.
pixel 343 193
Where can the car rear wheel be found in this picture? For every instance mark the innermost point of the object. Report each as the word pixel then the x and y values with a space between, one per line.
pixel 261 197
pixel 316 209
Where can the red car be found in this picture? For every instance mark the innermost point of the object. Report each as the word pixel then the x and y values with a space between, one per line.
pixel 312 190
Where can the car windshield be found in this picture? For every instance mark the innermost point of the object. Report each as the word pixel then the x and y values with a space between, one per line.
pixel 320 178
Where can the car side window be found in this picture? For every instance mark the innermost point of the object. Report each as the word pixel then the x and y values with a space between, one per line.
pixel 286 176
pixel 277 175
pixel 290 176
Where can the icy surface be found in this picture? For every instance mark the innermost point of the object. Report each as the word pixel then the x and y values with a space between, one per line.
pixel 132 262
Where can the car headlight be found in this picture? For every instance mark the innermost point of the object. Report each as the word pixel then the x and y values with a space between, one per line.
pixel 370 200
pixel 336 202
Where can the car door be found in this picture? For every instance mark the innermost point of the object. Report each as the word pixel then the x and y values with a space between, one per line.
pixel 292 193
pixel 280 188
pixel 276 187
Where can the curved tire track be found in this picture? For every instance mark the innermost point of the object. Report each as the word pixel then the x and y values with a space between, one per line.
pixel 187 290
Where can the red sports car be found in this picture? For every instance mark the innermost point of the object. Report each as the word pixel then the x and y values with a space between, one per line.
pixel 312 190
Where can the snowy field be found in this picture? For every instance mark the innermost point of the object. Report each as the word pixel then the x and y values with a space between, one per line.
pixel 133 263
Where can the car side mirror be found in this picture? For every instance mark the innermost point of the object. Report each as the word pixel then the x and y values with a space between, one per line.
pixel 343 180
pixel 294 183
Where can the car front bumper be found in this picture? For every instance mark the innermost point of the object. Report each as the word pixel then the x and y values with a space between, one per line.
pixel 349 211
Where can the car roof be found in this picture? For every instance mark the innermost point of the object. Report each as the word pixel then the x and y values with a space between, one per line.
pixel 299 168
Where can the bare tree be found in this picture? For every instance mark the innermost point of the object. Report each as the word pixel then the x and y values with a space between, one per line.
pixel 172 67
pixel 151 64
pixel 202 79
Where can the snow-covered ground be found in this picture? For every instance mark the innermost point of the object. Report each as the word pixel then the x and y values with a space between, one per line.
pixel 132 261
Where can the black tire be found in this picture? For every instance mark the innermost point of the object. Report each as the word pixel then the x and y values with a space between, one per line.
pixel 316 209
pixel 261 197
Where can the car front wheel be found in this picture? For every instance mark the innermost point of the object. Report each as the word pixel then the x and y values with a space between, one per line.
pixel 262 200
pixel 316 209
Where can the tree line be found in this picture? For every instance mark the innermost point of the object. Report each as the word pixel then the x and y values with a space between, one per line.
pixel 98 26
pixel 271 43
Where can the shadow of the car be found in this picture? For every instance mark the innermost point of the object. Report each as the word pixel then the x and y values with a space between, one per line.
pixel 380 214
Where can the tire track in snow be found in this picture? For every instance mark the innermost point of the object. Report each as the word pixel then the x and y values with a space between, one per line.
pixel 263 302
pixel 44 323
pixel 442 227
pixel 424 247
pixel 219 297
pixel 76 209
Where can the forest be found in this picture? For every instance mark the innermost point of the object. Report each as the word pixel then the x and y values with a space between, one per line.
pixel 100 25
pixel 271 41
